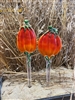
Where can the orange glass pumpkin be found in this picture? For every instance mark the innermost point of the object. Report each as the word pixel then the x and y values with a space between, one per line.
pixel 49 44
pixel 26 39
pixel 26 42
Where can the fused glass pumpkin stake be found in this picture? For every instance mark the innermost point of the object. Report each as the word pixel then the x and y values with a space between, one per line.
pixel 28 61
pixel 26 42
pixel 49 45
pixel 48 66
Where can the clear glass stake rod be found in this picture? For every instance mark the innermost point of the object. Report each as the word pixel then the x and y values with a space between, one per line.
pixel 48 67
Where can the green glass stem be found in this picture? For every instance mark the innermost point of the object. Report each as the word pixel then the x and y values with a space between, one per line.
pixel 53 30
pixel 48 66
pixel 27 25
pixel 28 60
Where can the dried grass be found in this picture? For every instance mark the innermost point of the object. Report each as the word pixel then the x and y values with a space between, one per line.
pixel 40 14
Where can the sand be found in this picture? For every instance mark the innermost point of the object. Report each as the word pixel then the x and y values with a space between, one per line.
pixel 15 86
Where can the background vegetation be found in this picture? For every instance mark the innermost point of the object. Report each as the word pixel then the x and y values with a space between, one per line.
pixel 41 14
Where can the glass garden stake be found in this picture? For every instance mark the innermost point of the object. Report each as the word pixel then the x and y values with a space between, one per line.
pixel 28 60
pixel 48 66
pixel 26 42
pixel 49 45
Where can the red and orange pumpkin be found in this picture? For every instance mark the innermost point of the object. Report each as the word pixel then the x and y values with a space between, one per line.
pixel 50 44
pixel 26 42
pixel 26 39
